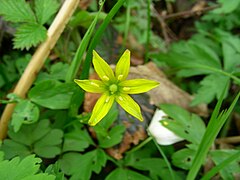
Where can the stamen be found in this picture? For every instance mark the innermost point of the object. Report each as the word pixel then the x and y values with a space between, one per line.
pixel 107 100
pixel 94 84
pixel 120 98
pixel 105 78
pixel 126 88
pixel 165 123
pixel 120 77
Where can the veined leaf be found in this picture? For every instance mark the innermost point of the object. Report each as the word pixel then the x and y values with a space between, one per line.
pixel 24 169
pixel 16 11
pixel 211 86
pixel 44 9
pixel 28 35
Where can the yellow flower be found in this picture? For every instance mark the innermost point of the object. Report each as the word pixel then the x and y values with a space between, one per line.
pixel 115 87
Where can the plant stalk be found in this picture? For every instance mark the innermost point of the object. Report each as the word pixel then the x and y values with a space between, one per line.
pixel 38 60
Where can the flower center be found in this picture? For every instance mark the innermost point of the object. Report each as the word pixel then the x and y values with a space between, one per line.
pixel 113 88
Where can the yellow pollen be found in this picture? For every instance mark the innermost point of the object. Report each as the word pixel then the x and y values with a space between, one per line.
pixel 107 100
pixel 120 98
pixel 165 123
pixel 105 78
pixel 120 77
pixel 126 88
pixel 94 84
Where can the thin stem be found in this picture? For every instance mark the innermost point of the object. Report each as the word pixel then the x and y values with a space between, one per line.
pixel 148 29
pixel 127 24
pixel 165 159
pixel 140 145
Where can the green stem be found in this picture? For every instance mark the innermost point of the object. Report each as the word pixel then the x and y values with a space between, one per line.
pixel 127 24
pixel 165 159
pixel 72 72
pixel 98 36
pixel 148 29
pixel 140 145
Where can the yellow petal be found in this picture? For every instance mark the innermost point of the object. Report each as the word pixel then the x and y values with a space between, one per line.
pixel 100 109
pixel 129 105
pixel 136 86
pixel 103 70
pixel 123 65
pixel 94 86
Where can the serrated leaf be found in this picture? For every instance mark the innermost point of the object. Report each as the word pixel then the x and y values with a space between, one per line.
pixel 231 169
pixel 74 142
pixel 157 167
pixel 44 9
pixel 26 168
pixel 230 55
pixel 80 167
pixel 188 126
pixel 183 158
pixel 25 112
pixel 28 35
pixel 211 86
pixel 227 6
pixel 52 94
pixel 16 11
pixel 37 131
pixel 114 137
pixel 120 174
pixel 12 149
pixel 42 176
pixel 48 145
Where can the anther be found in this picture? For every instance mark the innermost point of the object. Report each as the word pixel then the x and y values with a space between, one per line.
pixel 165 123
pixel 94 84
pixel 120 77
pixel 126 88
pixel 120 98
pixel 105 78
pixel 107 100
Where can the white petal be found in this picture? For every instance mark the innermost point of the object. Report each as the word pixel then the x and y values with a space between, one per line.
pixel 162 135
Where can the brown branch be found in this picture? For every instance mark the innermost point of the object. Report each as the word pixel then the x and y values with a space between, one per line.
pixel 38 60
pixel 186 14
pixel 229 140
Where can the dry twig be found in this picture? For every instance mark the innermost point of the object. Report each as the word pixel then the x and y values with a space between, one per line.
pixel 38 60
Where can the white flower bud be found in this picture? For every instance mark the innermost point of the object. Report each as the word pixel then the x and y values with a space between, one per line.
pixel 162 135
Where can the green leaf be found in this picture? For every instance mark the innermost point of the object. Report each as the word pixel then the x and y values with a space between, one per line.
pixel 39 137
pixel 231 53
pixel 28 35
pixel 12 148
pixel 114 137
pixel 48 146
pixel 44 9
pixel 16 11
pixel 183 158
pixel 73 141
pixel 25 112
pixel 227 6
pixel 211 87
pixel 120 174
pixel 188 126
pixel 156 166
pixel 231 169
pixel 52 94
pixel 37 131
pixel 80 167
pixel 26 169
pixel 42 176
